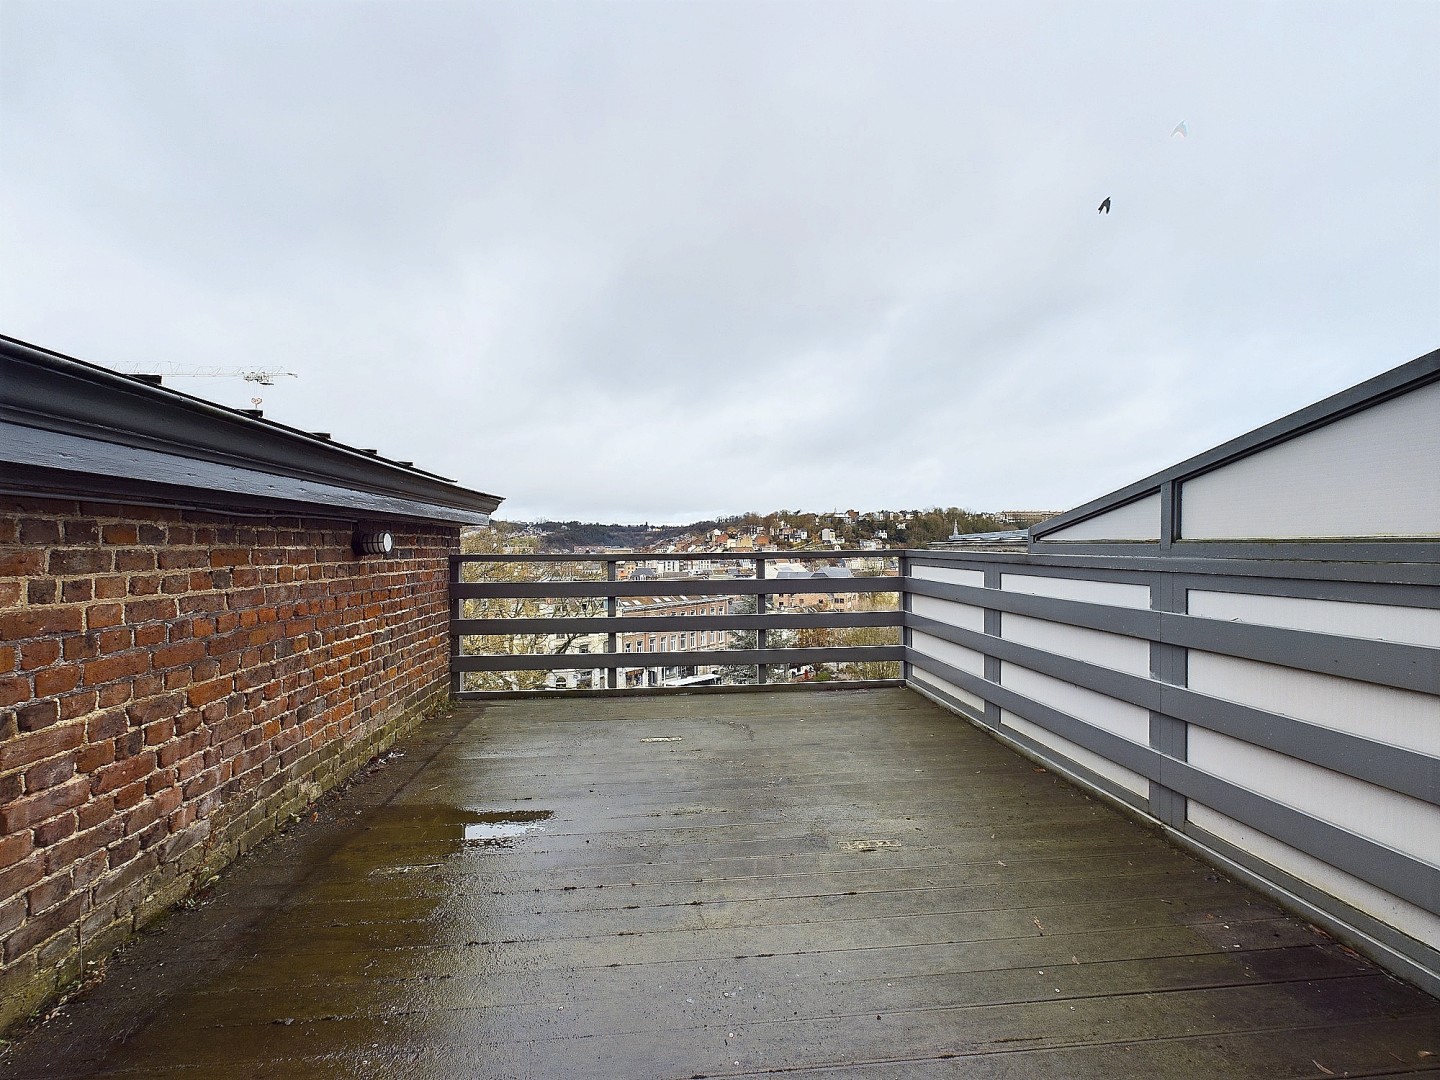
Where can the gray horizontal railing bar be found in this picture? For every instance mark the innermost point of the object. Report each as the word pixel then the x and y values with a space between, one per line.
pixel 667 624
pixel 1400 572
pixel 667 691
pixel 698 658
pixel 790 555
pixel 1387 663
pixel 1136 689
pixel 502 590
pixel 1396 768
pixel 1388 593
pixel 1133 622
pixel 1393 871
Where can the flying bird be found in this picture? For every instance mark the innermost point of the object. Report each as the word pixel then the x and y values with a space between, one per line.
pixel 1104 206
pixel 1182 129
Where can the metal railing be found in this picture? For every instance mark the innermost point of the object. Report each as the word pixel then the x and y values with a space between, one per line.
pixel 510 614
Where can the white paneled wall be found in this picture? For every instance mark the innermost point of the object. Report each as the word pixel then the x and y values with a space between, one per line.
pixel 1387 817
pixel 1096 646
pixel 1097 764
pixel 1105 712
pixel 1379 622
pixel 1113 593
pixel 1383 713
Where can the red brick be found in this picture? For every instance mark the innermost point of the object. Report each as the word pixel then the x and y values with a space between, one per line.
pixel 120 534
pixel 185 652
pixel 57 828
pixel 40 531
pixel 37 715
pixel 21 562
pixel 110 588
pixel 73 705
pixel 81 531
pixel 55 681
pixel 110 668
pixel 73 561
pixel 14 847
pixel 204 693
pixel 138 611
pixel 77 590
pixel 117 775
pixel 22 875
pixel 39 653
pixel 101 616
pixel 92 757
pixel 60 919
pixel 22 813
pixel 31 623
pixel 48 773
pixel 14 689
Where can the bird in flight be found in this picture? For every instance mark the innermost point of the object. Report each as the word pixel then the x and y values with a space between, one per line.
pixel 1182 129
pixel 1104 206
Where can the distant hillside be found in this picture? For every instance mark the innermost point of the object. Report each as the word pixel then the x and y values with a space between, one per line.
pixel 582 535
pixel 782 528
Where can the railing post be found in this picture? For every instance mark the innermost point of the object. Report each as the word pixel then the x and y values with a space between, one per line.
pixel 762 671
pixel 457 678
pixel 902 574
pixel 612 570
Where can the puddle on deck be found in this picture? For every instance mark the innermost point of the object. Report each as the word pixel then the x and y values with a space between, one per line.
pixel 501 828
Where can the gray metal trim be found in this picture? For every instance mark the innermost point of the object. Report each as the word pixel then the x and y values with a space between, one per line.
pixel 498 590
pixel 51 392
pixel 644 624
pixel 60 465
pixel 1390 384
pixel 1393 871
pixel 711 658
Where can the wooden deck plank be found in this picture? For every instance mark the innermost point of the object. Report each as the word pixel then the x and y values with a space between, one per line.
pixel 850 884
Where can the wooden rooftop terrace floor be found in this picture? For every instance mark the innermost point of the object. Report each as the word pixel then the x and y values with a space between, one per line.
pixel 852 884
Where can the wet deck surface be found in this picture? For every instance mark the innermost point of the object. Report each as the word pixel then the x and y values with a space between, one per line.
pixel 850 884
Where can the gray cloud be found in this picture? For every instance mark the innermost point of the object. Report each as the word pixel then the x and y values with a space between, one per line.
pixel 652 260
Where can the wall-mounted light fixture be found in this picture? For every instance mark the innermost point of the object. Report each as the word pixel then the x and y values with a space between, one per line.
pixel 373 542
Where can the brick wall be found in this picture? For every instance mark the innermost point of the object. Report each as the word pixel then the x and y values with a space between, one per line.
pixel 172 686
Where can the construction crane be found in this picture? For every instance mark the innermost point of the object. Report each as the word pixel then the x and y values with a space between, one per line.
pixel 156 372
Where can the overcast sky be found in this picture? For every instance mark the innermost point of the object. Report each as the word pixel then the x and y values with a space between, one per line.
pixel 662 261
